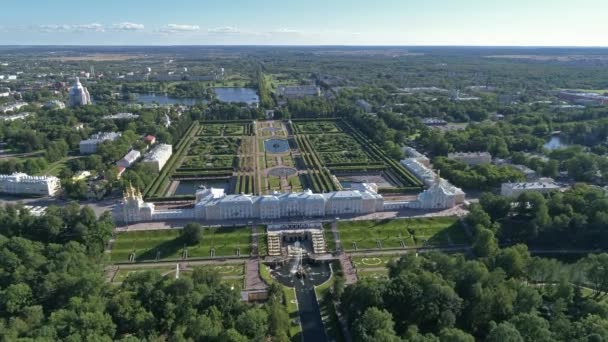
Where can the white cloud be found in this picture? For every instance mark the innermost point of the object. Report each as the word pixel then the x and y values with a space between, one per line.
pixel 173 28
pixel 93 27
pixel 224 29
pixel 127 26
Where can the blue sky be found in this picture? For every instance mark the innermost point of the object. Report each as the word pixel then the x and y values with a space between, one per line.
pixel 310 22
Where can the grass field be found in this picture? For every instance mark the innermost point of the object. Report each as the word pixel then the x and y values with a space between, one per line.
pixel 231 274
pixel 376 274
pixel 146 244
pixel 387 234
pixel 372 261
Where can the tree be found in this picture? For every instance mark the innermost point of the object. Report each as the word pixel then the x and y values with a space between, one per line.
pixel 485 244
pixel 596 271
pixel 192 233
pixel 455 335
pixel 504 332
pixel 252 323
pixel 532 328
pixel 374 325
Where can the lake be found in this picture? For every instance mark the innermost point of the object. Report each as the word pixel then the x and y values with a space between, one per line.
pixel 555 143
pixel 164 99
pixel 189 187
pixel 237 95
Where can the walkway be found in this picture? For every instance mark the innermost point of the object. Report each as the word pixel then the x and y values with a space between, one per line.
pixel 253 281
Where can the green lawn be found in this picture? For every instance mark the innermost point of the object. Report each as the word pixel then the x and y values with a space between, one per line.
pixel 372 261
pixel 295 329
pixel 386 234
pixel 330 243
pixel 328 312
pixel 376 274
pixel 231 274
pixel 146 244
pixel 274 183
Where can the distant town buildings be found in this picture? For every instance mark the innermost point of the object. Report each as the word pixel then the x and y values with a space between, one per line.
pixel 129 159
pixel 79 95
pixel 54 104
pixel 12 107
pixel 515 189
pixel 295 92
pixel 150 139
pixel 471 158
pixel 366 106
pixel 158 156
pixel 22 184
pixel 18 116
pixel 121 116
pixel 434 122
pixel 90 145
pixel 584 98
pixel 530 174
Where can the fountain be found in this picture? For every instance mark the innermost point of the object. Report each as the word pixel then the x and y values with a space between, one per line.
pixel 296 267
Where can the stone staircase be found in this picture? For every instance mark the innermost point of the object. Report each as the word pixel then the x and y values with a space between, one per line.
pixel 274 244
pixel 318 242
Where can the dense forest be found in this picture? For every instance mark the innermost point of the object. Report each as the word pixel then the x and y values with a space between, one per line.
pixel 509 296
pixel 53 288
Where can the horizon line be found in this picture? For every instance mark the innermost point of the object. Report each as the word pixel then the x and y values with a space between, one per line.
pixel 309 45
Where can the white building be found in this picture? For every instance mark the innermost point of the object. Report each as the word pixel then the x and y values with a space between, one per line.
pixel 471 158
pixel 14 117
pixel 412 153
pixel 22 184
pixel 54 104
pixel 12 107
pixel 214 205
pixel 295 92
pixel 158 156
pixel 90 145
pixel 5 92
pixel 121 116
pixel 419 170
pixel 129 159
pixel 515 189
pixel 441 194
pixel 79 95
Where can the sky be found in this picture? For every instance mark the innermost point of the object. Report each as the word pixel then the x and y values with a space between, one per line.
pixel 310 22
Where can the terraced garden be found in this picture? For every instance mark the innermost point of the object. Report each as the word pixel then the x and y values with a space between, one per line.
pixel 167 245
pixel 399 234
pixel 231 274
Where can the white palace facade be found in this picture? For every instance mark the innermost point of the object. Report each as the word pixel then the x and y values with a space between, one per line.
pixel 214 205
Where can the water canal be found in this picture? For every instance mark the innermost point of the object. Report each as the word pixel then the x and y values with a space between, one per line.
pixel 304 279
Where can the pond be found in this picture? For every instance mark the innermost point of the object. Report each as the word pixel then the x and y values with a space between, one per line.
pixel 164 99
pixel 555 143
pixel 276 145
pixel 189 187
pixel 237 95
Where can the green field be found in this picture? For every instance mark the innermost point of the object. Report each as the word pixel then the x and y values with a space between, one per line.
pixel 146 244
pixel 387 234
pixel 232 274
pixel 376 274
pixel 372 261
